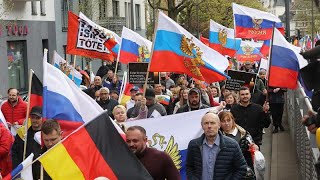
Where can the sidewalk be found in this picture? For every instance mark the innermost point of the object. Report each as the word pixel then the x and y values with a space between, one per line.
pixel 280 154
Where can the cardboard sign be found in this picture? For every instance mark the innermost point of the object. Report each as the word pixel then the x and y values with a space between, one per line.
pixel 138 72
pixel 240 78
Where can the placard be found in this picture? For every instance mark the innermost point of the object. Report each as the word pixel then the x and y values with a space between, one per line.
pixel 138 72
pixel 240 78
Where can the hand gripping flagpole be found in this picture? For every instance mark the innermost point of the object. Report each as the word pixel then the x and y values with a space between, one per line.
pixel 154 37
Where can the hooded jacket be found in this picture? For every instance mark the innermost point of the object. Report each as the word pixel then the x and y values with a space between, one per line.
pixel 187 108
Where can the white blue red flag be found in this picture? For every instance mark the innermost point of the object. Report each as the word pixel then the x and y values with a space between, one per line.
pixel 22 171
pixel 134 47
pixel 64 101
pixel 222 39
pixel 254 24
pixel 172 134
pixel 66 68
pixel 286 62
pixel 247 52
pixel 177 50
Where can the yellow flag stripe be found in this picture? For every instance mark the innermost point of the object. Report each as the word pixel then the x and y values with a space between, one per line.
pixel 125 99
pixel 60 166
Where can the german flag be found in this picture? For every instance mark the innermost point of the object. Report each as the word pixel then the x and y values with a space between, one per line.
pixel 35 99
pixel 36 92
pixel 94 150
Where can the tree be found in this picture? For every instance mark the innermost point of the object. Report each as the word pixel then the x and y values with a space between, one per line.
pixel 217 10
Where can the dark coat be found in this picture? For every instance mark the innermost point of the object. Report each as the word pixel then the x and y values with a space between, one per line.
pixel 109 105
pixel 252 118
pixel 91 91
pixel 32 147
pixel 186 108
pixel 230 163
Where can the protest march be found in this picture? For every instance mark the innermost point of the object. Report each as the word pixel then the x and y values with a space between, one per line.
pixel 185 107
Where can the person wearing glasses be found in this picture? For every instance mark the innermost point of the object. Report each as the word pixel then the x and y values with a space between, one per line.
pixel 33 145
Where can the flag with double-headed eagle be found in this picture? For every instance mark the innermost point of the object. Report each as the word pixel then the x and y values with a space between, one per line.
pixel 86 38
pixel 134 47
pixel 172 134
pixel 252 23
pixel 222 39
pixel 248 52
pixel 177 50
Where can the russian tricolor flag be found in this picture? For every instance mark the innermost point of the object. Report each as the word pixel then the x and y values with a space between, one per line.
pixel 74 75
pixel 64 101
pixel 177 50
pixel 22 171
pixel 264 50
pixel 254 24
pixel 222 39
pixel 285 63
pixel 134 47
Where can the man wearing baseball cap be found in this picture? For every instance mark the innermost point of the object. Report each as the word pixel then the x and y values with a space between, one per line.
pixel 133 91
pixel 33 145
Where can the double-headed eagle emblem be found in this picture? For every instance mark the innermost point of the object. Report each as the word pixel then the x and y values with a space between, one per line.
pixel 171 149
pixel 257 23
pixel 222 37
pixel 193 59
pixel 247 50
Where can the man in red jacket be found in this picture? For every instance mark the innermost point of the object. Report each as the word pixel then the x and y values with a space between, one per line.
pixel 6 141
pixel 15 109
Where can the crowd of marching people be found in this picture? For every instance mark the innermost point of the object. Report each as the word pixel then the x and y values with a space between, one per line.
pixel 241 116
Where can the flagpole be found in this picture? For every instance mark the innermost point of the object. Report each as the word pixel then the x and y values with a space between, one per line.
pixel 41 172
pixel 123 85
pixel 154 38
pixel 74 66
pixel 26 122
pixel 270 59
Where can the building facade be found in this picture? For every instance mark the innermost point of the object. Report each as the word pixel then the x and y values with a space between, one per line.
pixel 27 27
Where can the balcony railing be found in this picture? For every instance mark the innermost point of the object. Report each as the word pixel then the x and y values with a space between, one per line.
pixel 113 23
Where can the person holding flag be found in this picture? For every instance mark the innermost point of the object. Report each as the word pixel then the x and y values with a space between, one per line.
pixel 33 144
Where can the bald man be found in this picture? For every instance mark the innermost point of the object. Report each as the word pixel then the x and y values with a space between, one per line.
pixel 213 155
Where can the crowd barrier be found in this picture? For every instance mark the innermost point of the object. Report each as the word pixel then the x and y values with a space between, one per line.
pixel 305 143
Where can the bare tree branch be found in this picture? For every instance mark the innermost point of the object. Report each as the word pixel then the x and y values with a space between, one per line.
pixel 158 7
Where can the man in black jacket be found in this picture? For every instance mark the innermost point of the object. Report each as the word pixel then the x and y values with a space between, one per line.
pixel 106 102
pixel 194 102
pixel 213 155
pixel 92 90
pixel 33 146
pixel 252 117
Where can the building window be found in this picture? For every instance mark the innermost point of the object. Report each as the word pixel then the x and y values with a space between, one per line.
pixel 34 8
pixel 128 17
pixel 66 6
pixel 42 8
pixel 17 64
pixel 115 6
pixel 138 17
pixel 102 9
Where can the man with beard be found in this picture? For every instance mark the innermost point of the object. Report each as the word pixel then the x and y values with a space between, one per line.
pixel 106 102
pixel 33 146
pixel 194 102
pixel 92 90
pixel 252 117
pixel 15 109
pixel 159 164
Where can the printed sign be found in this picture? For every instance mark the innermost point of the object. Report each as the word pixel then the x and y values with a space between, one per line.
pixel 138 73
pixel 240 78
